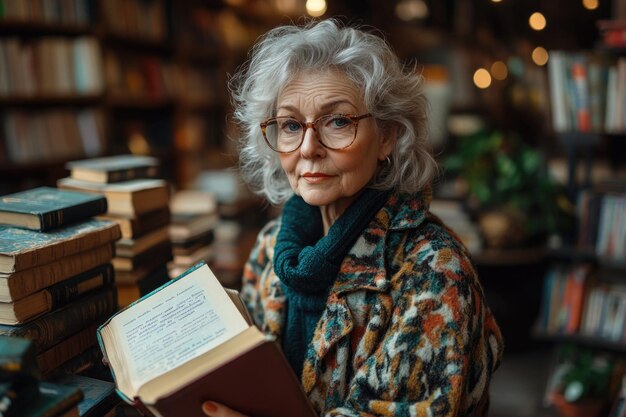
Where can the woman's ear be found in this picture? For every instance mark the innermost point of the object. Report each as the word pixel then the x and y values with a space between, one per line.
pixel 388 142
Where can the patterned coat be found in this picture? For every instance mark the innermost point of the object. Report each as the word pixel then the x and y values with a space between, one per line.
pixel 406 330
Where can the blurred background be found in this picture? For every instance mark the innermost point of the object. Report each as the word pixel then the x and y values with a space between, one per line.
pixel 527 117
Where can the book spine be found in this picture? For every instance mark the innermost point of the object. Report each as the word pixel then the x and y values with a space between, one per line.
pixel 67 349
pixel 131 174
pixel 50 329
pixel 580 94
pixel 80 364
pixel 72 214
pixel 21 284
pixel 47 254
pixel 70 290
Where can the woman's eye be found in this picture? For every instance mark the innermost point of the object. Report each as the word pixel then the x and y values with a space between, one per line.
pixel 290 126
pixel 339 121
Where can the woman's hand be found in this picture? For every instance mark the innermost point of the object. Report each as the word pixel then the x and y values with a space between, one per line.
pixel 213 409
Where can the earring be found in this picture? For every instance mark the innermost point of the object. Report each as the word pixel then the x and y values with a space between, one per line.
pixel 388 159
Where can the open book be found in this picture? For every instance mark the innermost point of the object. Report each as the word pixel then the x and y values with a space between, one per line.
pixel 191 341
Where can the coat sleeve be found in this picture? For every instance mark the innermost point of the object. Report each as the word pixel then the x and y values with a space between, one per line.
pixel 438 351
pixel 254 270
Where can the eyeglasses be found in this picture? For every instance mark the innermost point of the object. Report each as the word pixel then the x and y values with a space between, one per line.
pixel 285 134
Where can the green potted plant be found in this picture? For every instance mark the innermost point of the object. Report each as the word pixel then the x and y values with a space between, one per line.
pixel 516 200
pixel 585 382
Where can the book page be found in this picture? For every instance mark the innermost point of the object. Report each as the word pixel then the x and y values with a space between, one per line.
pixel 179 322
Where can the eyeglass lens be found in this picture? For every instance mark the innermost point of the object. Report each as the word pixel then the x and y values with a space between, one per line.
pixel 286 134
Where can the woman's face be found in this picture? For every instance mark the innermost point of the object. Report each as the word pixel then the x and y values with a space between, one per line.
pixel 322 176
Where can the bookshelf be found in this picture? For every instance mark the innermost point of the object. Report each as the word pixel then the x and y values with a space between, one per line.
pixel 584 289
pixel 150 74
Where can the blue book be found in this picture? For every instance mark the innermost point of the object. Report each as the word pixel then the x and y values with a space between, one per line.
pixel 45 208
pixel 16 394
pixel 114 168
pixel 54 400
pixel 22 249
pixel 17 357
pixel 99 399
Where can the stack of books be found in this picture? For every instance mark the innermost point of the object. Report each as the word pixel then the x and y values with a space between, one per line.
pixel 56 277
pixel 194 217
pixel 241 215
pixel 22 393
pixel 139 203
pixel 229 248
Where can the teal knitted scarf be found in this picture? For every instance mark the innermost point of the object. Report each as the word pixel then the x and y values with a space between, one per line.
pixel 307 262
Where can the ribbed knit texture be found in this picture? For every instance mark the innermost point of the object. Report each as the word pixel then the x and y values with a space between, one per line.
pixel 307 262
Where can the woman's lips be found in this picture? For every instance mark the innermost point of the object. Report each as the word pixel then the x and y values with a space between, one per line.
pixel 315 177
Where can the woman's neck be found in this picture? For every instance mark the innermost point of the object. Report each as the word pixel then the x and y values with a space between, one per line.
pixel 329 215
pixel 331 212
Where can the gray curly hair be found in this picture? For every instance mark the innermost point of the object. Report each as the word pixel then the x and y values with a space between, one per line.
pixel 391 93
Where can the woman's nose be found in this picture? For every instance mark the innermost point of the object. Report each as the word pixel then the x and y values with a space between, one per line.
pixel 311 146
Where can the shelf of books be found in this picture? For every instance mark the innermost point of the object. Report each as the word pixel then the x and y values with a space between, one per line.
pixel 584 294
pixel 88 78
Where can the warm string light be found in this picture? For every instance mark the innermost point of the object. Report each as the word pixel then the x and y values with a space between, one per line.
pixel 591 4
pixel 540 56
pixel 499 70
pixel 411 9
pixel 482 78
pixel 537 21
pixel 316 8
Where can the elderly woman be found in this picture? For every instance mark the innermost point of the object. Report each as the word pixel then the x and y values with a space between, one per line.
pixel 375 302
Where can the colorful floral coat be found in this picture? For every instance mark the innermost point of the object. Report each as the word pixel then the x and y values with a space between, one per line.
pixel 406 330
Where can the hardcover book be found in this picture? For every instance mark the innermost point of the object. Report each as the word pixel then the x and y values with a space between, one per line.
pixel 45 208
pixel 130 292
pixel 20 284
pixel 210 352
pixel 55 296
pixel 114 168
pixel 65 350
pixel 128 198
pixel 132 247
pixel 16 394
pixel 21 249
pixel 48 330
pixel 99 396
pixel 17 358
pixel 191 226
pixel 89 363
pixel 152 257
pixel 54 400
pixel 137 226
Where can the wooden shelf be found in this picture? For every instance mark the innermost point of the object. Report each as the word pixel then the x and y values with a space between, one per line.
pixel 200 56
pixel 77 100
pixel 138 44
pixel 200 105
pixel 8 168
pixel 587 255
pixel 589 341
pixel 507 257
pixel 139 103
pixel 33 28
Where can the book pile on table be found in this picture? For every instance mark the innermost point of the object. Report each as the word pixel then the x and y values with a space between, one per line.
pixel 23 393
pixel 194 217
pixel 241 215
pixel 56 277
pixel 139 203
